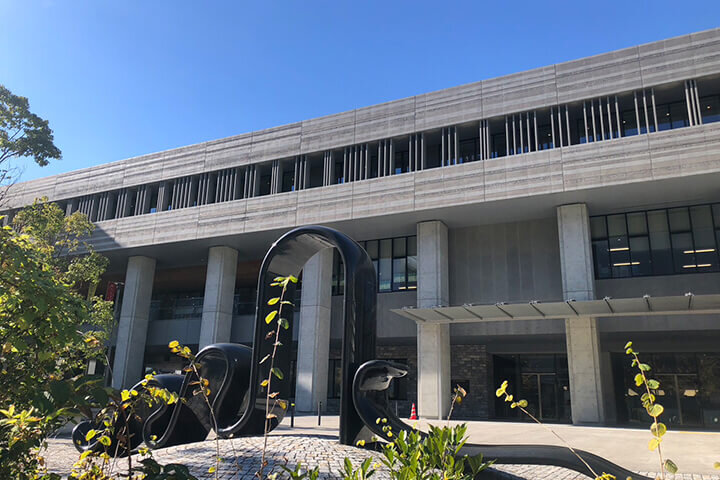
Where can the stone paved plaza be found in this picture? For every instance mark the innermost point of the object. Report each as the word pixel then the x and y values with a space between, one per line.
pixel 314 445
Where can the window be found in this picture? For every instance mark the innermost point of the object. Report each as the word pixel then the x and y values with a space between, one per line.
pixel 394 260
pixel 656 242
pixel 334 378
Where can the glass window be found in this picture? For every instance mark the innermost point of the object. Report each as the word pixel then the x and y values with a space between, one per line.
pixel 598 229
pixel 660 242
pixel 399 260
pixel 657 242
pixel 710 109
pixel 602 258
pixel 629 123
pixel 640 256
pixel 385 270
pixel 679 220
pixel 412 263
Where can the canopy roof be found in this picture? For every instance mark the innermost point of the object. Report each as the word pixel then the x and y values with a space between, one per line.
pixel 607 307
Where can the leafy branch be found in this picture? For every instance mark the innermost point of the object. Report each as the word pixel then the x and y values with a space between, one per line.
pixel 652 408
pixel 280 322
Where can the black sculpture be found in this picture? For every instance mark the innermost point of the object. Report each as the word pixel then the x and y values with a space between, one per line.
pixel 234 372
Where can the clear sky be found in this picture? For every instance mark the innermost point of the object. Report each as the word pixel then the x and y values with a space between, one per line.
pixel 123 78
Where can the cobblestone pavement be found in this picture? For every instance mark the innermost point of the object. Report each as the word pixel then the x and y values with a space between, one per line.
pixel 242 459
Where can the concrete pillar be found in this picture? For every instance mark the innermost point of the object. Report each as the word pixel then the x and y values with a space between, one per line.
pixel 219 292
pixel 433 341
pixel 133 325
pixel 314 332
pixel 581 333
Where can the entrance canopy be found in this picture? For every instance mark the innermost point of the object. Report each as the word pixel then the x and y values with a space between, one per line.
pixel 607 307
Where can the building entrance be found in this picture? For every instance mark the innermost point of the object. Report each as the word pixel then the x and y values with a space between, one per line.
pixel 541 379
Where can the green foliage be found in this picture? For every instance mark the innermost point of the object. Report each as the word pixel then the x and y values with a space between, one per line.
pixel 298 474
pixel 22 135
pixel 435 457
pixel 114 435
pixel 653 409
pixel 49 328
pixel 273 371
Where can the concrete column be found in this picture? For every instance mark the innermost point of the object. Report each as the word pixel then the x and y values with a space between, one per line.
pixel 581 333
pixel 433 341
pixel 133 325
pixel 219 292
pixel 314 332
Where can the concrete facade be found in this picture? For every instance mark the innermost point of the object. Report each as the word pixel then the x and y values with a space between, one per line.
pixel 433 341
pixel 480 194
pixel 218 299
pixel 133 325
pixel 314 333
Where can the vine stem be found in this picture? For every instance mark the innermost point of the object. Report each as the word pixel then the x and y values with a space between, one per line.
pixel 655 420
pixel 269 379
pixel 564 442
pixel 212 416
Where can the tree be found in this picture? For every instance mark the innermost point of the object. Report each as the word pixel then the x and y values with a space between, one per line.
pixel 22 135
pixel 51 324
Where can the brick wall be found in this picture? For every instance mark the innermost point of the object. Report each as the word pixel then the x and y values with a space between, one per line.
pixel 469 365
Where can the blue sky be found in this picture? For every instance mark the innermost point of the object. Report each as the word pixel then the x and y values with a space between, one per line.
pixel 124 78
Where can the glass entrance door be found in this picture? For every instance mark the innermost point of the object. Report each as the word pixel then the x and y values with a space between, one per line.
pixel 541 379
pixel 540 390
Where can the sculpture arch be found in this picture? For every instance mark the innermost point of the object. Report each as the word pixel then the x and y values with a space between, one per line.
pixel 235 372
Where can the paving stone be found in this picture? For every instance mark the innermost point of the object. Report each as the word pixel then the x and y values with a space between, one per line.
pixel 242 458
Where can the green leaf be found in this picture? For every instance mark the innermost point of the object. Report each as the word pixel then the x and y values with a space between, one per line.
pixel 105 440
pixel 653 384
pixel 644 367
pixel 277 372
pixel 628 345
pixel 716 465
pixel 670 466
pixel 90 435
pixel 284 323
pixel 293 279
pixel 273 301
pixel 264 383
pixel 653 444
pixel 639 379
pixel 656 410
pixel 270 316
pixel 658 430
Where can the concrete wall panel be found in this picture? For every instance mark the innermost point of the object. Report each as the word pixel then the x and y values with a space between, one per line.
pixel 519 92
pixel 324 205
pixel 448 107
pixel 605 74
pixel 277 142
pixel 385 120
pixel 323 133
pixel 228 152
pixel 508 262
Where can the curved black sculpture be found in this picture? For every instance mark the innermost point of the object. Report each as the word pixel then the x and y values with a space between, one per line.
pixel 235 373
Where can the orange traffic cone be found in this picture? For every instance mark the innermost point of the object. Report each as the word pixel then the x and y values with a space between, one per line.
pixel 413 413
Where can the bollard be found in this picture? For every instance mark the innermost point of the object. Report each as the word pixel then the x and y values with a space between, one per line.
pixel 319 412
pixel 292 415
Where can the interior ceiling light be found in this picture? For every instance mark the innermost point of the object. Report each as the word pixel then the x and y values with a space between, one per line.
pixel 625 264
pixel 701 265
pixel 689 266
pixel 620 249
pixel 704 250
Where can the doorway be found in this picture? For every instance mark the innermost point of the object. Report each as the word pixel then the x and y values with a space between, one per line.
pixel 541 379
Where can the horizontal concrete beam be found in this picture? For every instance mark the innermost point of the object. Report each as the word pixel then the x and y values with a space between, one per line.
pixel 684 57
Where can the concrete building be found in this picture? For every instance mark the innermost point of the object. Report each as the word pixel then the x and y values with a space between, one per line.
pixel 522 227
